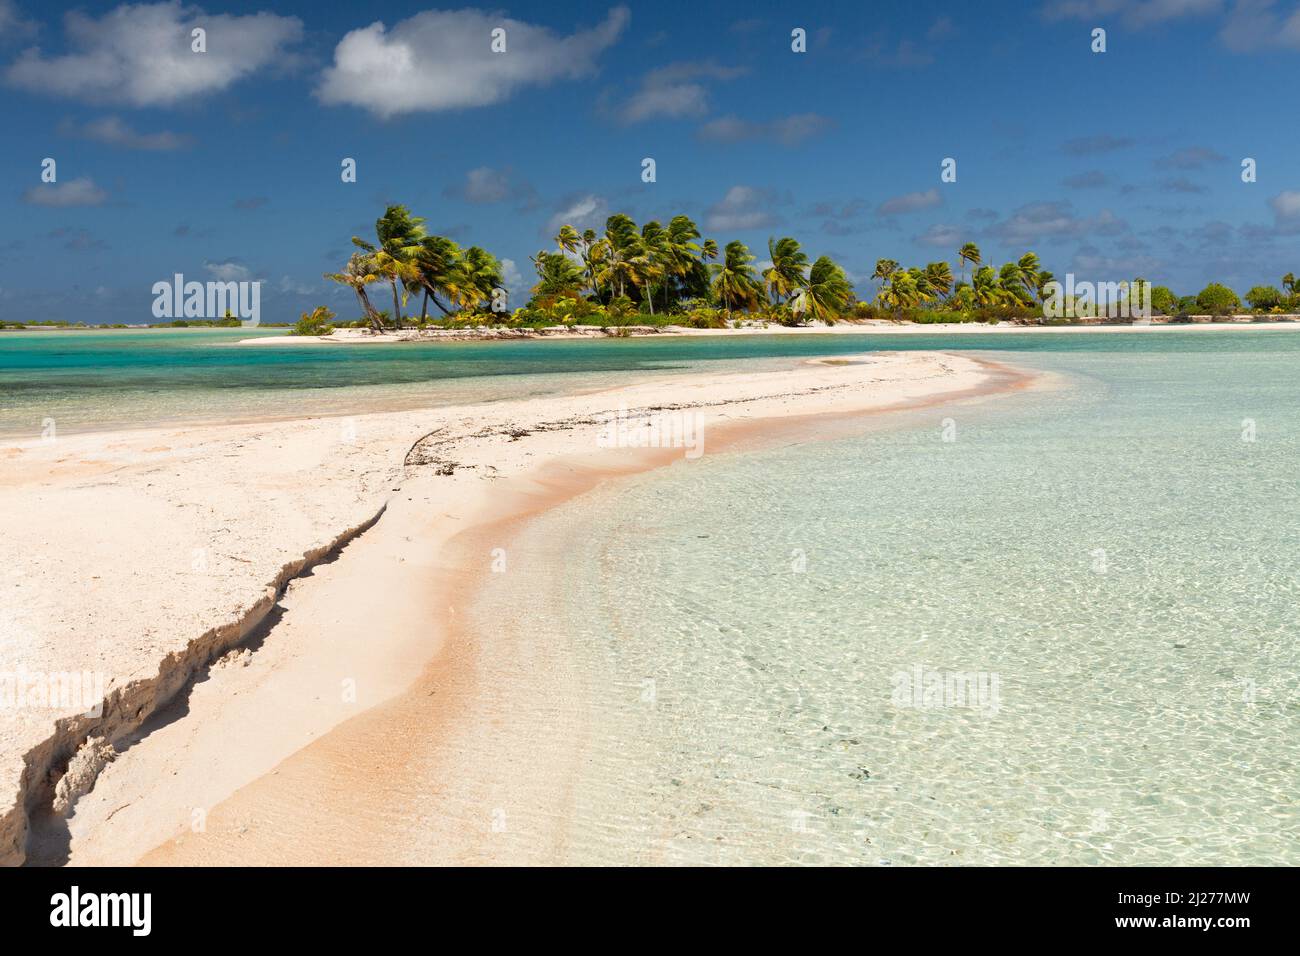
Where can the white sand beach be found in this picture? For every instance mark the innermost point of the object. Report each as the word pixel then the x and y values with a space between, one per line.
pixel 150 556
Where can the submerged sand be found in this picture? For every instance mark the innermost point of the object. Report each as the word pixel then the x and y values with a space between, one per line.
pixel 149 556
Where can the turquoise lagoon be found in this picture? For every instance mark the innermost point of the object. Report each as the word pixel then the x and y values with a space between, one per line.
pixel 1113 561
pixel 1116 558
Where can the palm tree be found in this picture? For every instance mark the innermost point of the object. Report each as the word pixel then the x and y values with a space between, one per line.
pixel 900 290
pixel 938 278
pixel 734 281
pixel 478 276
pixel 884 269
pixel 557 274
pixel 619 246
pixel 827 291
pixel 651 259
pixel 683 251
pixel 568 239
pixel 787 274
pixel 969 254
pixel 1011 280
pixel 1045 279
pixel 436 262
pixel 984 287
pixel 1029 269
pixel 356 275
pixel 1289 283
pixel 399 235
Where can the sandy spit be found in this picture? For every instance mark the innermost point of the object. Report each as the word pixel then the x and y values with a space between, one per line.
pixel 245 590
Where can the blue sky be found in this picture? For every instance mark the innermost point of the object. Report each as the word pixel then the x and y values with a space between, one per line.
pixel 226 164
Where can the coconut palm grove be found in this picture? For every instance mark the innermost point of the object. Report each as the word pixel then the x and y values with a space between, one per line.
pixel 656 274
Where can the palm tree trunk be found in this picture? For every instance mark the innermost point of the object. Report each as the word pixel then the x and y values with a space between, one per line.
pixel 368 309
pixel 424 308
pixel 397 307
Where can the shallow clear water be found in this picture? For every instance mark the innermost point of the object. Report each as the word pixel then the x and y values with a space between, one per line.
pixel 1112 552
pixel 109 379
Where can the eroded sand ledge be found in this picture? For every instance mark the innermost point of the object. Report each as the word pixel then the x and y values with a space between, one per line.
pixel 172 546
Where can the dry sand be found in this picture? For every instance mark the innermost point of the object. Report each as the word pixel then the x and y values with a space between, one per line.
pixel 150 555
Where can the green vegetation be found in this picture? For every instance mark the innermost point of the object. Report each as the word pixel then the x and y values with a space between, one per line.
pixel 316 322
pixel 1216 299
pixel 411 261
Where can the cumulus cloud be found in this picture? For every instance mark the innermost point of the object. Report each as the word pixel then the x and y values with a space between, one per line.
pixel 1286 206
pixel 943 235
pixel 1257 25
pixel 484 185
pixel 74 192
pixel 290 286
pixel 141 55
pixel 113 132
pixel 910 202
pixel 13 25
pixel 1193 157
pixel 441 60
pixel 510 276
pixel 743 207
pixel 674 91
pixel 587 211
pixel 787 130
pixel 228 271
pixel 1053 220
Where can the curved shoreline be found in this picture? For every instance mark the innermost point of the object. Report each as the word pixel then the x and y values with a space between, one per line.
pixel 426 731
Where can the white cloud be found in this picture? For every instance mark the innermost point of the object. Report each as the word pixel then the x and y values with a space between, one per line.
pixel 1255 24
pixel 942 235
pixel 113 132
pixel 228 271
pixel 141 55
pixel 287 285
pixel 1044 220
pixel 910 202
pixel 675 91
pixel 487 185
pixel 510 276
pixel 441 59
pixel 787 130
pixel 1286 205
pixel 744 207
pixel 586 212
pixel 13 25
pixel 74 192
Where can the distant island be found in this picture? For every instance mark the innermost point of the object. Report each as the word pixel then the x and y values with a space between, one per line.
pixel 659 278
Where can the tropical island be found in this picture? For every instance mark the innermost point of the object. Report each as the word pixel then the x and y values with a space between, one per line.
pixel 658 276
pixel 655 278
